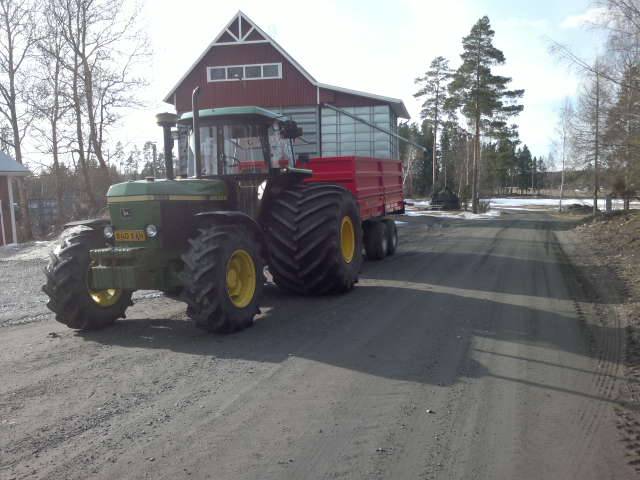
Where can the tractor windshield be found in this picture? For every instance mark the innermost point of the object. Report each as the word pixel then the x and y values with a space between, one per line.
pixel 236 148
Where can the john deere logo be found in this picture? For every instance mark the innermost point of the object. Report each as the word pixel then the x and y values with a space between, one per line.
pixel 125 212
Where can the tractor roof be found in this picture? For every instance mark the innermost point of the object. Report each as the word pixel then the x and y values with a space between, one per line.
pixel 259 112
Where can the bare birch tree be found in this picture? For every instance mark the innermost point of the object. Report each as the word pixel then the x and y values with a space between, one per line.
pixel 51 103
pixel 18 38
pixel 106 47
pixel 564 131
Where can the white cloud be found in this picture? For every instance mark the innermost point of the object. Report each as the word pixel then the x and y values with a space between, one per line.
pixel 591 16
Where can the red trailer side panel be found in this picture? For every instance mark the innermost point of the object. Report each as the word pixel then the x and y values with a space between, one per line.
pixel 375 183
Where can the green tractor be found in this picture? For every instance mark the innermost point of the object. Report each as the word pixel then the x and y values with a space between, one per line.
pixel 205 238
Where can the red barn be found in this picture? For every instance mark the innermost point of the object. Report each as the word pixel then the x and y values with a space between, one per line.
pixel 244 66
pixel 9 168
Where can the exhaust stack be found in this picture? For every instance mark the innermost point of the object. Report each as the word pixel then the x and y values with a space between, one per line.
pixel 196 131
pixel 167 121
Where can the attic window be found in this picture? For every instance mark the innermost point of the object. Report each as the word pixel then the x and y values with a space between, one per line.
pixel 244 72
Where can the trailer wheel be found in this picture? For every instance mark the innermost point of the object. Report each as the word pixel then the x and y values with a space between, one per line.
pixel 391 232
pixel 314 238
pixel 222 279
pixel 68 274
pixel 375 240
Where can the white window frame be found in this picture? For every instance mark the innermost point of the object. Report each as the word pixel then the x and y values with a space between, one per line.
pixel 261 65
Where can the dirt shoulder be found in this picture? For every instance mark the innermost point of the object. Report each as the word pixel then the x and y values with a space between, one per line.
pixel 606 255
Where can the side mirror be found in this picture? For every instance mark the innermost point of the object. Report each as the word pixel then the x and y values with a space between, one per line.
pixel 290 130
pixel 303 159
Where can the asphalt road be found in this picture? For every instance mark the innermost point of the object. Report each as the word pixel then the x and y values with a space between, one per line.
pixel 465 356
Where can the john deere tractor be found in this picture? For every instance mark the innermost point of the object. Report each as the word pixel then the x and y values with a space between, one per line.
pixel 205 238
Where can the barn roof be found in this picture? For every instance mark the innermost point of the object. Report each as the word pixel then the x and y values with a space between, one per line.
pixel 9 167
pixel 242 30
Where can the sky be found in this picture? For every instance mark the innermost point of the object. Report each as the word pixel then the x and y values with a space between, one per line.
pixel 377 46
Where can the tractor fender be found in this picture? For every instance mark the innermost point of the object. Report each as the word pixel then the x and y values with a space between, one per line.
pixel 94 223
pixel 222 217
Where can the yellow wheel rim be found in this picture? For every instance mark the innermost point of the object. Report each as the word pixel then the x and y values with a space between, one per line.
pixel 241 278
pixel 105 298
pixel 347 239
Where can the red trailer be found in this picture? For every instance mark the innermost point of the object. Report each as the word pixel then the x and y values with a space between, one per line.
pixel 376 185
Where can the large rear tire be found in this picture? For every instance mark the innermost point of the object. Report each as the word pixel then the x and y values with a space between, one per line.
pixel 223 279
pixel 314 238
pixel 68 272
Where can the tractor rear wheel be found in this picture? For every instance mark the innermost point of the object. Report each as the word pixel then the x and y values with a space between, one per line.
pixel 223 279
pixel 375 240
pixel 68 278
pixel 314 238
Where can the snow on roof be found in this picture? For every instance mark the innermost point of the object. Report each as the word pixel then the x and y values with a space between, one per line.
pixel 9 167
pixel 242 30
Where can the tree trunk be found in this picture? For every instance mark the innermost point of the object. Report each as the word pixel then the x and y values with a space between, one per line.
pixel 93 129
pixel 77 107
pixel 476 159
pixel 434 164
pixel 564 146
pixel 57 172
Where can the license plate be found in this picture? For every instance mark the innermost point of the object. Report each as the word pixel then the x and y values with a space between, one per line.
pixel 130 236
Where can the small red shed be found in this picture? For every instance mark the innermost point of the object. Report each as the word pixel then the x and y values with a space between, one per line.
pixel 9 169
pixel 244 66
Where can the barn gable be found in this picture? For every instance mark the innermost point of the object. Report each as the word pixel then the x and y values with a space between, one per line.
pixel 240 53
pixel 244 66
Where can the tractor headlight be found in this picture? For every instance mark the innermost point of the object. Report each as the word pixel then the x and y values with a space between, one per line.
pixel 108 232
pixel 152 231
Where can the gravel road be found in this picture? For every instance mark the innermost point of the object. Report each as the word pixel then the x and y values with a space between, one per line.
pixel 471 354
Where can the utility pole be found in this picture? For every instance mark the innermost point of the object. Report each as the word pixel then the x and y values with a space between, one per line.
pixel 564 146
pixel 597 146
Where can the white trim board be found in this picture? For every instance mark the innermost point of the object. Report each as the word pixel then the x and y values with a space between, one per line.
pixel 4 237
pixel 12 212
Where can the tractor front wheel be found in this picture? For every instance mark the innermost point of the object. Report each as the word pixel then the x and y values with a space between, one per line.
pixel 223 279
pixel 68 278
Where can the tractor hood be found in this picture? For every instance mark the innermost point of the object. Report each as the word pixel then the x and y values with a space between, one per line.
pixel 149 190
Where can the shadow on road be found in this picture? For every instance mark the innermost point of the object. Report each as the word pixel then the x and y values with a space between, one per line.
pixel 411 319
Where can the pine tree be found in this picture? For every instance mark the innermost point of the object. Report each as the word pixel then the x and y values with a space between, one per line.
pixel 524 163
pixel 434 92
pixel 482 96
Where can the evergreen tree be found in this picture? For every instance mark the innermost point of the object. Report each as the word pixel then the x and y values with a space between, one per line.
pixel 482 96
pixel 523 168
pixel 434 92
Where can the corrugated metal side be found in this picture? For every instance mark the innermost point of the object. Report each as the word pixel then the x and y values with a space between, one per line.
pixel 6 212
pixel 342 135
pixel 292 90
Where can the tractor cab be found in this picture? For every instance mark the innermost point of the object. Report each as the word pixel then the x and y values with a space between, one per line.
pixel 234 141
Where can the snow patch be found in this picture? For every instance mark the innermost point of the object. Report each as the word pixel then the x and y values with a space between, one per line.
pixel 454 214
pixel 537 204
pixel 24 252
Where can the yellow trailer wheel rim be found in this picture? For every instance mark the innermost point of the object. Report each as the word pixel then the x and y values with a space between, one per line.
pixel 347 239
pixel 241 278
